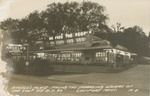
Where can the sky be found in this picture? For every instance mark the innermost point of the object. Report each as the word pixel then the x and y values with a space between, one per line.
pixel 127 12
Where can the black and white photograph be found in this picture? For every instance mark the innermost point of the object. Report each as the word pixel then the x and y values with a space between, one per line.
pixel 74 48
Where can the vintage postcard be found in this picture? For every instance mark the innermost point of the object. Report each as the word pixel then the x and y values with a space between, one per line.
pixel 74 47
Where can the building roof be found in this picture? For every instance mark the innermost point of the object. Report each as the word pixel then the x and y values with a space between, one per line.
pixel 97 43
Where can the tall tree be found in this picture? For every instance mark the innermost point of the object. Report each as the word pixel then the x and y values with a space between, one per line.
pixel 118 28
pixel 35 27
pixel 136 40
pixel 10 29
pixel 92 16
pixel 72 15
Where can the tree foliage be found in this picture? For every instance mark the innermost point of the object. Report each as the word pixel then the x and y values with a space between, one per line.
pixel 133 38
pixel 136 40
pixel 10 29
pixel 69 17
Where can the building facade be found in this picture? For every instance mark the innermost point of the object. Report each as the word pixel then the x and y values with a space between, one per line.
pixel 80 49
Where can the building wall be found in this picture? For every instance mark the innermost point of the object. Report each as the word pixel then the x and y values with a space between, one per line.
pixel 85 57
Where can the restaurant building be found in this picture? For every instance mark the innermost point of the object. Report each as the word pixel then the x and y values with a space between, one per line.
pixel 81 51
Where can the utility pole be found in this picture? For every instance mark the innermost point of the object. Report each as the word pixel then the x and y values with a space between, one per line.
pixel 27 58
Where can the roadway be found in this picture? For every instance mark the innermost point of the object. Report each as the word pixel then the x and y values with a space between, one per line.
pixel 131 82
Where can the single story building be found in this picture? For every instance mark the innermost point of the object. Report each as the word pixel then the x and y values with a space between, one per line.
pixel 82 52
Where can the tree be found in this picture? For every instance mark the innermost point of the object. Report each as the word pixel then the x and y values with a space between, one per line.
pixel 91 16
pixel 136 40
pixel 34 26
pixel 118 28
pixel 10 29
pixel 72 17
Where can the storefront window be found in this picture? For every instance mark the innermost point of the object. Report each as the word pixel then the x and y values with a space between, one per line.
pixel 76 56
pixel 52 57
pixel 65 57
pixel 101 57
